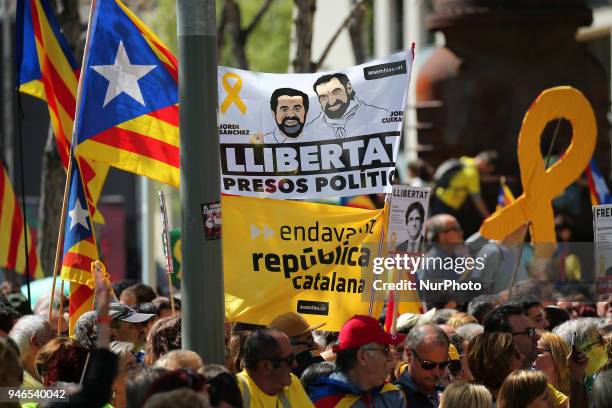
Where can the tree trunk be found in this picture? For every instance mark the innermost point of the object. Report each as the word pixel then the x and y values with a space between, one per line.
pixel 303 32
pixel 53 177
pixel 356 30
pixel 232 15
pixel 50 209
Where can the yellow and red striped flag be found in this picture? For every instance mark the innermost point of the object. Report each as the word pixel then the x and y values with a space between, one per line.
pixel 79 249
pixel 12 233
pixel 128 111
pixel 47 70
pixel 504 195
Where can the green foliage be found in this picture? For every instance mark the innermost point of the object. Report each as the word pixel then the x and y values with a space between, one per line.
pixel 163 23
pixel 268 45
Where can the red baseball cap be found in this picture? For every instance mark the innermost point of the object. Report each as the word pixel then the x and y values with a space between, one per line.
pixel 361 330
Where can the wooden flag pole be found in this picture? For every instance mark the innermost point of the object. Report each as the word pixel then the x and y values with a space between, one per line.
pixel 60 235
pixel 60 312
pixel 167 249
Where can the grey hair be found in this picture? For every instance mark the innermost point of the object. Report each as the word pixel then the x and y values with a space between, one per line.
pixel 602 389
pixel 432 332
pixel 581 327
pixel 470 330
pixel 433 228
pixel 121 348
pixel 86 330
pixel 28 326
pixel 441 316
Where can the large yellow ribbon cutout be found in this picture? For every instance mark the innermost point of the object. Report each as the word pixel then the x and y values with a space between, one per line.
pixel 540 185
pixel 233 92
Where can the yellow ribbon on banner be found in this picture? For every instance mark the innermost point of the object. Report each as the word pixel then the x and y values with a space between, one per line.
pixel 541 185
pixel 232 92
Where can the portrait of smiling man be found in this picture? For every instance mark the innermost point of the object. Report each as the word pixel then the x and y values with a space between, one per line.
pixel 289 108
pixel 415 217
pixel 343 114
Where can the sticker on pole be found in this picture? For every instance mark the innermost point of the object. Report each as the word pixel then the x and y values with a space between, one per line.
pixel 211 215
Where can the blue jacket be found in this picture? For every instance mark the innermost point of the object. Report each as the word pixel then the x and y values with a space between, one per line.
pixel 337 390
pixel 414 397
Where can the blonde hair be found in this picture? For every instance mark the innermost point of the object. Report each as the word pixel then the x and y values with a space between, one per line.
pixel 521 388
pixel 559 350
pixel 462 394
pixel 176 359
pixel 460 318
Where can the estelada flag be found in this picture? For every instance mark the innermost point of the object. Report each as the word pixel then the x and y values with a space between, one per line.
pixel 128 114
pixel 47 70
pixel 504 195
pixel 13 232
pixel 598 188
pixel 79 249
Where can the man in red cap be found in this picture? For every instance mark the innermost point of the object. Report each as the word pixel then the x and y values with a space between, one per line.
pixel 363 362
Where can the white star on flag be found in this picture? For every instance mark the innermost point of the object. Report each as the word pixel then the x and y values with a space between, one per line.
pixel 122 76
pixel 78 215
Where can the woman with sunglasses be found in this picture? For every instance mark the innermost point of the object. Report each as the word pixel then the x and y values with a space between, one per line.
pixel 552 361
pixel 491 358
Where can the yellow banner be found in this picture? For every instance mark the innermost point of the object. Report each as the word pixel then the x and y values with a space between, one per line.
pixel 281 256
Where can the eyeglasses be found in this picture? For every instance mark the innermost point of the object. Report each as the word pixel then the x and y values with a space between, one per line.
pixel 297 342
pixel 600 340
pixel 385 349
pixel 531 332
pixel 287 360
pixel 452 228
pixel 430 365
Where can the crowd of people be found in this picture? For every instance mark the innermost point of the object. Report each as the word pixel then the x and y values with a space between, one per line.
pixel 522 351
pixel 541 344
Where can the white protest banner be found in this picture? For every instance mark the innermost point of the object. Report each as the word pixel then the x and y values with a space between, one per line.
pixel 602 231
pixel 408 212
pixel 328 134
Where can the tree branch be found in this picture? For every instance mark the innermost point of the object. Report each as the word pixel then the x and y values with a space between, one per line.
pixel 355 30
pixel 356 9
pixel 302 61
pixel 264 8
pixel 221 31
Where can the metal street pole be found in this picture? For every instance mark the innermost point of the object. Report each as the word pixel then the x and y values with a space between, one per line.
pixel 7 88
pixel 202 285
pixel 147 233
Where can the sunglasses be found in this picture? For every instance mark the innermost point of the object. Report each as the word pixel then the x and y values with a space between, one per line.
pixel 600 340
pixel 384 349
pixel 287 360
pixel 307 343
pixel 452 228
pixel 531 332
pixel 430 365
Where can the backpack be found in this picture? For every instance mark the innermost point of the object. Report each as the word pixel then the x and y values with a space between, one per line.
pixel 445 173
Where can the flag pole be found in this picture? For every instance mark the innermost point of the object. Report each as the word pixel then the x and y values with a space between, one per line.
pixel 202 286
pixel 60 311
pixel 167 250
pixel 60 236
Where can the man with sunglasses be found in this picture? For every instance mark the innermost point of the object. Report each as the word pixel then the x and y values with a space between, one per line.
pixel 127 324
pixel 300 334
pixel 266 380
pixel 363 362
pixel 510 318
pixel 426 351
